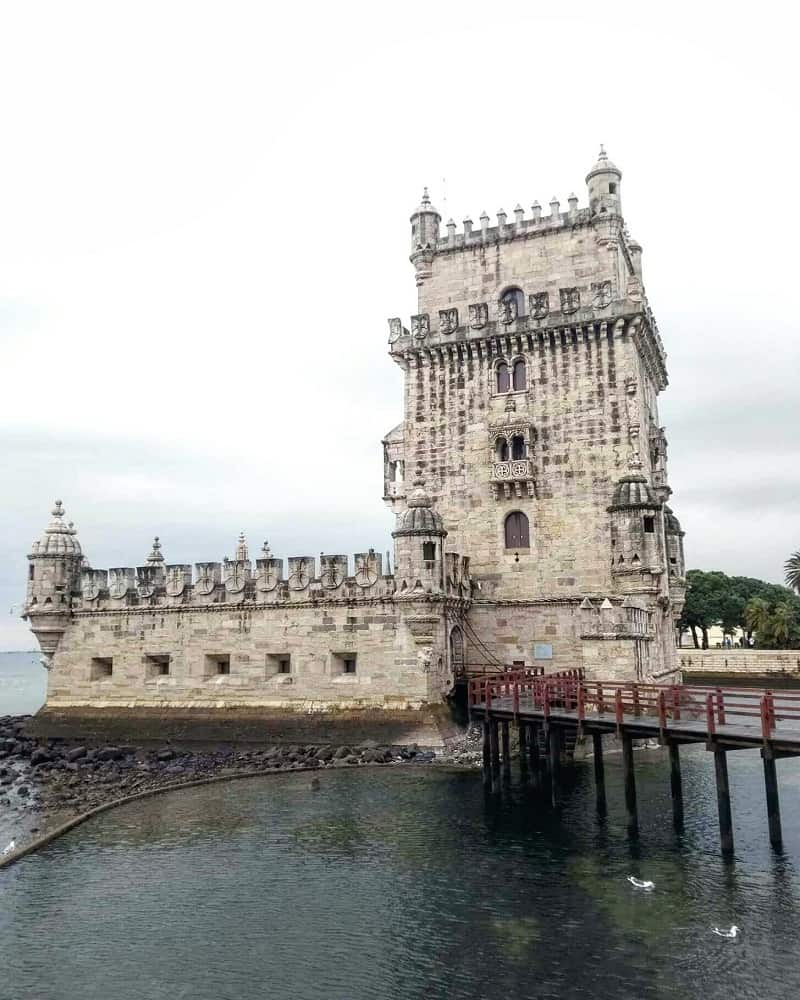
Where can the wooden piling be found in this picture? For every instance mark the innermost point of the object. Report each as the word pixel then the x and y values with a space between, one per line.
pixel 773 801
pixel 487 753
pixel 505 741
pixel 723 801
pixel 630 783
pixel 554 748
pixel 522 736
pixel 599 773
pixel 676 784
pixel 494 752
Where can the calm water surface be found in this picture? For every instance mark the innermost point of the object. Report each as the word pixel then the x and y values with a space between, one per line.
pixel 403 884
pixel 23 683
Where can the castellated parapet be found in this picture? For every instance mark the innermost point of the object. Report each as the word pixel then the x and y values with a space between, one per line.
pixel 529 482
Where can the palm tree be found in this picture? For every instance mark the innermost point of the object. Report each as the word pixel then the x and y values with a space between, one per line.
pixel 757 617
pixel 792 570
pixel 782 623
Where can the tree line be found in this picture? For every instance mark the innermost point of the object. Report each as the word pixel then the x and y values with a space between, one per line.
pixel 765 612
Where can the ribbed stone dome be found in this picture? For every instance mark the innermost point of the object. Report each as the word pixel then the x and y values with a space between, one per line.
pixel 633 491
pixel 603 166
pixel 420 517
pixel 59 539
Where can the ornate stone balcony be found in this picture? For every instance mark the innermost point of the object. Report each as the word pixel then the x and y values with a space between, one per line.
pixel 513 476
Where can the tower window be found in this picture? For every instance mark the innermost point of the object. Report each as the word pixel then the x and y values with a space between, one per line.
pixel 517 531
pixel 30 571
pixel 503 382
pixel 612 188
pixel 518 447
pixel 429 551
pixel 519 374
pixel 512 305
pixel 649 525
pixel 501 450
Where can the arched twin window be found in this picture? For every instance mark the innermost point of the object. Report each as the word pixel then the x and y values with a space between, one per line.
pixel 518 447
pixel 516 452
pixel 501 450
pixel 511 379
pixel 517 531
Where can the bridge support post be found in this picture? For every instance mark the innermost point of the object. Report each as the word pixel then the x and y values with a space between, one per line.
pixel 630 783
pixel 505 741
pixel 676 784
pixel 599 773
pixel 554 748
pixel 533 751
pixel 522 736
pixel 487 752
pixel 494 753
pixel 773 802
pixel 723 801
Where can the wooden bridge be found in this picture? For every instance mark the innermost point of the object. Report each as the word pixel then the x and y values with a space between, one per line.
pixel 551 710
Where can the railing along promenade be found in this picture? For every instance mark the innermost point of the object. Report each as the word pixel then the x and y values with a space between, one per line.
pixel 548 709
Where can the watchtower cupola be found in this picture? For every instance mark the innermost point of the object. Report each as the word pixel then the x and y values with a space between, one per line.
pixel 604 183
pixel 425 223
pixel 419 545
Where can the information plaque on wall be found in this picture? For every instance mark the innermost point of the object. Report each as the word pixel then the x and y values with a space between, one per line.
pixel 542 651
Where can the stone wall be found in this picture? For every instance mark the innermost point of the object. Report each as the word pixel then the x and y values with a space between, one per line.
pixel 232 655
pixel 756 663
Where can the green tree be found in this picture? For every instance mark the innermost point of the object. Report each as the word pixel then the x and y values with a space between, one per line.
pixel 792 570
pixel 757 616
pixel 783 625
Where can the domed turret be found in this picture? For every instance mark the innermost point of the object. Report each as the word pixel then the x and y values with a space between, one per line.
pixel 419 544
pixel 603 181
pixel 632 491
pixel 53 574
pixel 424 237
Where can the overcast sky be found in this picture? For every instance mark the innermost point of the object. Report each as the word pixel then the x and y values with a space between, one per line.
pixel 204 225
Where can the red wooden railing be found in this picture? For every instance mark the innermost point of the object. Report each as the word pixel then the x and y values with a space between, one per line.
pixel 530 689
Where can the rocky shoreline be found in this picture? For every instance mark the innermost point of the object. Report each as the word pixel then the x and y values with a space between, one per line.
pixel 44 783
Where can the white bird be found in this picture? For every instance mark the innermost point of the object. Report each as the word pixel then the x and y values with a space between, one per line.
pixel 732 932
pixel 638 883
pixel 9 848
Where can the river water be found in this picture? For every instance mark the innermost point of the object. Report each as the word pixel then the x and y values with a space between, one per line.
pixel 408 883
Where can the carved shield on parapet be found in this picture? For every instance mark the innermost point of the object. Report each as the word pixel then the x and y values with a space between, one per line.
pixel 570 300
pixel 395 329
pixel 539 304
pixel 92 582
pixel 120 581
pixel 147 579
pixel 301 571
pixel 448 320
pixel 269 573
pixel 179 576
pixel 507 311
pixel 208 576
pixel 368 568
pixel 478 315
pixel 420 326
pixel 236 573
pixel 333 570
pixel 601 294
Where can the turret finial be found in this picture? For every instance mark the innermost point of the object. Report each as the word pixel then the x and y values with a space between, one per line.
pixel 156 556
pixel 241 549
pixel 266 551
pixel 58 509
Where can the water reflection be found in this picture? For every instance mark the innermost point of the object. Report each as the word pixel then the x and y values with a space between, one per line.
pixel 410 884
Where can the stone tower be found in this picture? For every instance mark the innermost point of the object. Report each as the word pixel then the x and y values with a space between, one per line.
pixel 532 370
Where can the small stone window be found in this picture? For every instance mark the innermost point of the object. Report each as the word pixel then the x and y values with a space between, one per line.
pixel 612 188
pixel 518 447
pixel 517 531
pixel 343 664
pixel 429 551
pixel 102 667
pixel 278 663
pixel 501 450
pixel 218 664
pixel 503 380
pixel 30 571
pixel 519 375
pixel 157 665
pixel 649 525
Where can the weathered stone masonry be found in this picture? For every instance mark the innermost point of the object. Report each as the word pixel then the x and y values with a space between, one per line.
pixel 536 531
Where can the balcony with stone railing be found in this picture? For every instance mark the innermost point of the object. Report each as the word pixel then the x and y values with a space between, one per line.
pixel 513 477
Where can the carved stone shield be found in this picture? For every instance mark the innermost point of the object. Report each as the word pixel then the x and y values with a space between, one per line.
pixel 601 294
pixel 540 304
pixel 478 315
pixel 395 329
pixel 570 300
pixel 420 326
pixel 448 320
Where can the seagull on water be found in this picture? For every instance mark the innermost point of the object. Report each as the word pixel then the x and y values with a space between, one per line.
pixel 732 932
pixel 638 883
pixel 9 848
